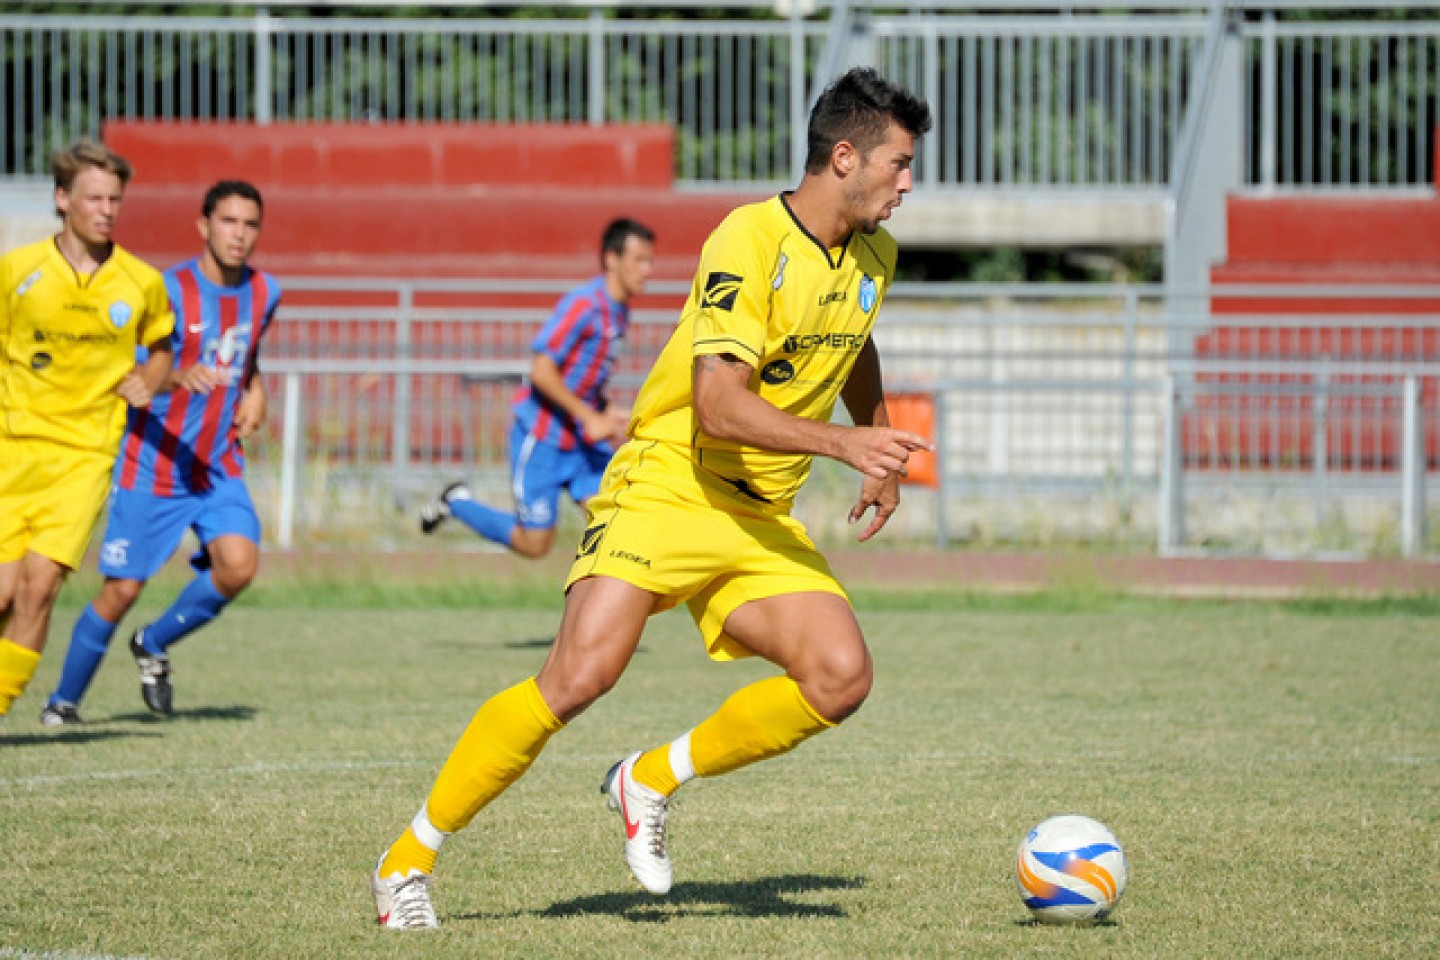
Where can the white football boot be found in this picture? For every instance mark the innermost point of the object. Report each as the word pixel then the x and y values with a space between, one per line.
pixel 644 812
pixel 403 903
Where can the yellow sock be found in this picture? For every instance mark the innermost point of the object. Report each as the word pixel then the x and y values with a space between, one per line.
pixel 653 770
pixel 17 666
pixel 760 721
pixel 407 854
pixel 504 738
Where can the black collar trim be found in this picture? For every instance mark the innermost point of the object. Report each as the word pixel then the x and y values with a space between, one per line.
pixel 834 264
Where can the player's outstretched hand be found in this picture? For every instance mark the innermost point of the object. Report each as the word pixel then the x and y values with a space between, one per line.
pixel 133 389
pixel 198 379
pixel 881 452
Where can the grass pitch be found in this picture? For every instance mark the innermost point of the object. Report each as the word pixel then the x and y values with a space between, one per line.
pixel 1273 772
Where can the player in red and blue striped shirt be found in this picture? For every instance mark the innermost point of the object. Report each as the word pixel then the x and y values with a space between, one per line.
pixel 181 465
pixel 564 432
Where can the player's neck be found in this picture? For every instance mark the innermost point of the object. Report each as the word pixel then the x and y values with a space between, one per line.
pixel 819 212
pixel 616 289
pixel 221 276
pixel 85 257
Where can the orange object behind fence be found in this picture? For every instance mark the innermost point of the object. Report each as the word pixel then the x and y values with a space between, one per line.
pixel 916 412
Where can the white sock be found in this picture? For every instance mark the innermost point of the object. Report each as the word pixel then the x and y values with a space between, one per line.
pixel 680 763
pixel 426 832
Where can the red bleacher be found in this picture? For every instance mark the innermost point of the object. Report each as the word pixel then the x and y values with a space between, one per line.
pixel 409 201
pixel 1318 241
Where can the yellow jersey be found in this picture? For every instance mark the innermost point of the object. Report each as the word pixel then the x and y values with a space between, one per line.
pixel 67 340
pixel 769 293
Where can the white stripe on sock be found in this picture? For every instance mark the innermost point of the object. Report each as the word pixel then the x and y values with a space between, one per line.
pixel 680 763
pixel 426 832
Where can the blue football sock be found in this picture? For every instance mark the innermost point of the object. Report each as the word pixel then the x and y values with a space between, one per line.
pixel 88 643
pixel 490 523
pixel 197 605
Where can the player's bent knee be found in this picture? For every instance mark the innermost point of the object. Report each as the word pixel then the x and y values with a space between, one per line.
pixel 532 543
pixel 231 581
pixel 840 683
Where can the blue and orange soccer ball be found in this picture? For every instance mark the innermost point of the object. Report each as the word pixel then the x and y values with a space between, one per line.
pixel 1071 869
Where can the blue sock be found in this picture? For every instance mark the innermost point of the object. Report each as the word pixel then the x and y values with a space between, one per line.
pixel 88 643
pixel 197 605
pixel 490 523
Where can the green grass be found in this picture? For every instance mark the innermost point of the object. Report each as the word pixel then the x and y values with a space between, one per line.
pixel 1272 769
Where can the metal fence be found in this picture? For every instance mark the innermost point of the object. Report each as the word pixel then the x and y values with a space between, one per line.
pixel 1088 100
pixel 1041 395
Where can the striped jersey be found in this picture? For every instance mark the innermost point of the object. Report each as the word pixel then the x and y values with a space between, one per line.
pixel 185 441
pixel 580 337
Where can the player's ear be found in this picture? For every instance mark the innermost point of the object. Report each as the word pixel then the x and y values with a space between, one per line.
pixel 202 226
pixel 845 158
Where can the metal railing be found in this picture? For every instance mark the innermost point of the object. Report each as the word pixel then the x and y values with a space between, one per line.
pixel 1043 394
pixel 1082 101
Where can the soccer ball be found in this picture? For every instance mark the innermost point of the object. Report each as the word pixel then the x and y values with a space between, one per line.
pixel 1070 869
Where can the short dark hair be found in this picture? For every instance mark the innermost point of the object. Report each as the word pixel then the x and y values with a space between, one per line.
pixel 859 107
pixel 620 230
pixel 230 188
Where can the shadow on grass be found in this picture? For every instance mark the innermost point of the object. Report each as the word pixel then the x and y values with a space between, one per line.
pixel 544 643
pixel 238 712
pixel 534 643
pixel 1032 922
pixel 766 897
pixel 69 735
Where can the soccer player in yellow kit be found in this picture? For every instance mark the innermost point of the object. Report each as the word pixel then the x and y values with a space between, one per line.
pixel 73 309
pixel 695 506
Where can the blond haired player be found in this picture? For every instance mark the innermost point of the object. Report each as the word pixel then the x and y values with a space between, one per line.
pixel 695 507
pixel 73 310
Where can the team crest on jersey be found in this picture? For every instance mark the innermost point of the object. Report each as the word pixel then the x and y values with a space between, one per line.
pixel 867 293
pixel 721 289
pixel 27 283
pixel 113 552
pixel 120 313
pixel 780 272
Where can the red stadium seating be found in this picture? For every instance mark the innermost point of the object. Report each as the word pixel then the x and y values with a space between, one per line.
pixel 410 200
pixel 1335 242
pixel 416 201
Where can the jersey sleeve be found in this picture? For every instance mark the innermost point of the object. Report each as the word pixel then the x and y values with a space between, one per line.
pixel 733 294
pixel 159 320
pixel 557 338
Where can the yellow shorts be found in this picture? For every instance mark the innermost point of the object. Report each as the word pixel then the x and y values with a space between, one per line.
pixel 660 524
pixel 50 497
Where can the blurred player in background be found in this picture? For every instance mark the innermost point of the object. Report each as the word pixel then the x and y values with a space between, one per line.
pixel 181 464
pixel 73 310
pixel 695 507
pixel 565 431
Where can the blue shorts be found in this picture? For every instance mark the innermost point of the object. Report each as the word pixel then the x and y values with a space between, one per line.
pixel 539 471
pixel 144 530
